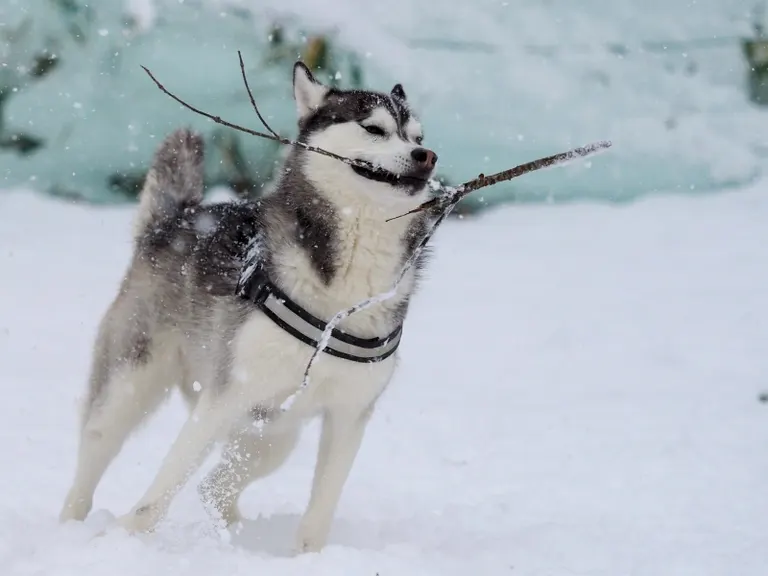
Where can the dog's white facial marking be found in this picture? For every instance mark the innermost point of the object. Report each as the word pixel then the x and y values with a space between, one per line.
pixel 381 118
pixel 414 131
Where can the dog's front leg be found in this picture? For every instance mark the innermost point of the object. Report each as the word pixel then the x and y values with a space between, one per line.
pixel 339 442
pixel 207 421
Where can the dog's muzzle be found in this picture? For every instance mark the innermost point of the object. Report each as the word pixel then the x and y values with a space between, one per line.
pixel 381 175
pixel 424 161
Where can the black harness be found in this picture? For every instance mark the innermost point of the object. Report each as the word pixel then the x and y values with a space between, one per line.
pixel 256 287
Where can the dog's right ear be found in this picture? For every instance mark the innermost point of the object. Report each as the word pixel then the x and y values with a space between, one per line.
pixel 307 91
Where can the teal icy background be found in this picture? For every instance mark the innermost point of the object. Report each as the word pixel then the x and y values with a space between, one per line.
pixel 497 83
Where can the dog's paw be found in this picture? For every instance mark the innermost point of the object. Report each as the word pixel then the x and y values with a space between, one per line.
pixel 310 539
pixel 143 519
pixel 75 508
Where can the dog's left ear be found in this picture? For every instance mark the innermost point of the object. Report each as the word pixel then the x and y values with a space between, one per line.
pixel 307 91
pixel 398 92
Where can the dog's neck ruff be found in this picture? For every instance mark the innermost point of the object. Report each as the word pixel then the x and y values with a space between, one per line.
pixel 256 287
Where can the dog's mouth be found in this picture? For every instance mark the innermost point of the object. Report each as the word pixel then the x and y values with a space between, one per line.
pixel 381 175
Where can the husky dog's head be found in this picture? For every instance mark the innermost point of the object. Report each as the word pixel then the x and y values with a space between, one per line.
pixel 363 125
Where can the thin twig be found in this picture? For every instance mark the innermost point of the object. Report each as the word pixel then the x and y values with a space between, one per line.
pixel 458 193
pixel 219 120
pixel 253 101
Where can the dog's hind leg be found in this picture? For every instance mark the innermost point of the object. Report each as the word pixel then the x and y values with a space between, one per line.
pixel 247 457
pixel 124 398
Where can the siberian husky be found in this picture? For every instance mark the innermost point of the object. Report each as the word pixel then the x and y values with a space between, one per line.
pixel 237 348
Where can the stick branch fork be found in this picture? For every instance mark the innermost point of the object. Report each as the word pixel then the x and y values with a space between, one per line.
pixel 271 136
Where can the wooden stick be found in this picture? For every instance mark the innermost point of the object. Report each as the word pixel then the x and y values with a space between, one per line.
pixel 454 195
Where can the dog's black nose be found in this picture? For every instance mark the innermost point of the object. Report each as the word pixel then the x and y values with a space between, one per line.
pixel 424 157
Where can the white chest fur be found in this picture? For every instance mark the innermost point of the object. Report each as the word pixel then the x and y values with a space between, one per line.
pixel 370 254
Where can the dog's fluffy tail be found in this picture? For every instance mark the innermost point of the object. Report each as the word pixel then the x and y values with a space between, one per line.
pixel 174 182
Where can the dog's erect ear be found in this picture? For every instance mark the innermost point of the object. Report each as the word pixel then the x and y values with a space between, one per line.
pixel 307 91
pixel 398 92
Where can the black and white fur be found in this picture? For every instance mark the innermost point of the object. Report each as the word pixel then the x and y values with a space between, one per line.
pixel 177 321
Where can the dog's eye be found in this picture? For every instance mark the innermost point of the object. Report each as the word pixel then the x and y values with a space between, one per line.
pixel 419 140
pixel 375 130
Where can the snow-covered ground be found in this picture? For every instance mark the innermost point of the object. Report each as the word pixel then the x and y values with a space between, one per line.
pixel 577 396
